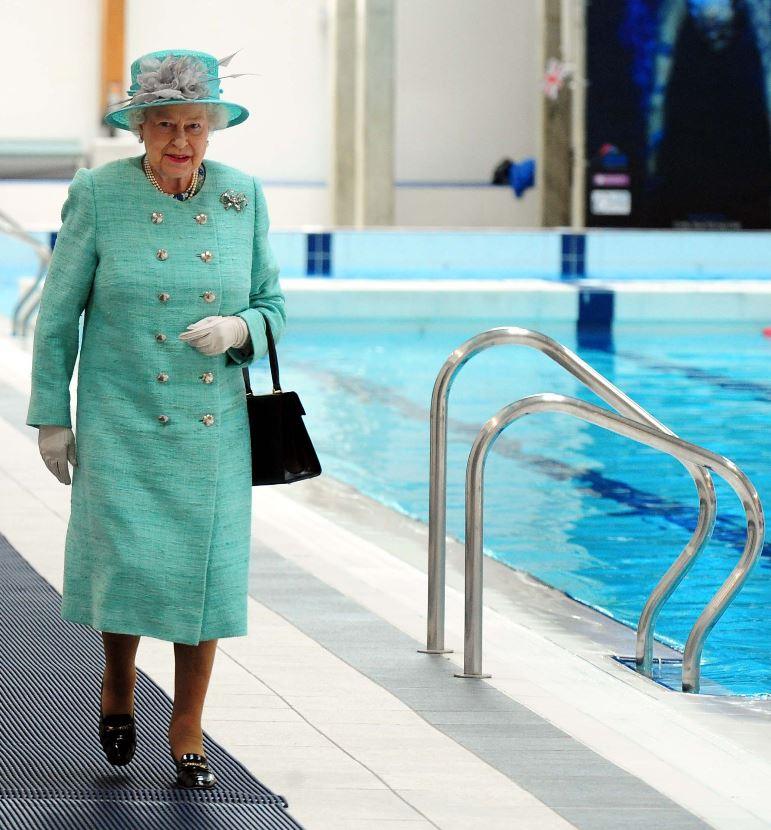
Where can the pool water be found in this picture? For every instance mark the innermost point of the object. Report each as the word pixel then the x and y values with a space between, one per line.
pixel 591 513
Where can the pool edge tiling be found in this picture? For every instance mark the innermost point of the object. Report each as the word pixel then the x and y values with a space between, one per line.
pixel 544 760
pixel 690 747
pixel 531 300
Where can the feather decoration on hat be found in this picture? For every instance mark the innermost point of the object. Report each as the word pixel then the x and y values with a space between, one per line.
pixel 173 77
pixel 176 78
pixel 226 61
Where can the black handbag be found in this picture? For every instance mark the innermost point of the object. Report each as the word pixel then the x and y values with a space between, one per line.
pixel 282 451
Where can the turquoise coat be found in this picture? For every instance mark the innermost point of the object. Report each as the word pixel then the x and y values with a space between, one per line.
pixel 159 533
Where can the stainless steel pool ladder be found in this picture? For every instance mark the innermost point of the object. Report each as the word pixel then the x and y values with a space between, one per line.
pixel 687 453
pixel 12 228
pixel 637 415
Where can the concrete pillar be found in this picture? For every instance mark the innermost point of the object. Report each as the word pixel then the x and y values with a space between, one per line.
pixel 342 185
pixel 556 159
pixel 362 176
pixel 375 112
pixel 574 32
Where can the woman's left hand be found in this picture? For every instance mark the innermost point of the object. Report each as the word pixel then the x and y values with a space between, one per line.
pixel 215 335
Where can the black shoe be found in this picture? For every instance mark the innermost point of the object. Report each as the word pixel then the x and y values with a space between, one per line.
pixel 117 734
pixel 193 771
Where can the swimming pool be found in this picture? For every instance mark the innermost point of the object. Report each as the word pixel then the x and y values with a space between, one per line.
pixel 586 511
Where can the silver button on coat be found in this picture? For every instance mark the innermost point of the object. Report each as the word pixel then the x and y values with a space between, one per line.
pixel 162 377
pixel 164 419
pixel 208 420
pixel 162 254
pixel 156 217
pixel 201 218
pixel 160 337
pixel 206 256
pixel 164 297
pixel 207 377
pixel 209 296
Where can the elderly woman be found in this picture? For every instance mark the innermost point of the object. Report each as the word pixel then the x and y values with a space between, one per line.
pixel 168 256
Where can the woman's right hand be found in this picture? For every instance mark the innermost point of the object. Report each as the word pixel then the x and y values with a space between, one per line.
pixel 57 446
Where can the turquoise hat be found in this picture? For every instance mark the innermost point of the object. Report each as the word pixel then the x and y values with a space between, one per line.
pixel 175 76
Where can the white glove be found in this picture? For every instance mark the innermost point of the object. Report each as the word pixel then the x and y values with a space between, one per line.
pixel 215 335
pixel 57 446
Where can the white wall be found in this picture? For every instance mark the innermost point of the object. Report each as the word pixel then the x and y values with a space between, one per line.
pixel 286 137
pixel 286 134
pixel 50 75
pixel 467 93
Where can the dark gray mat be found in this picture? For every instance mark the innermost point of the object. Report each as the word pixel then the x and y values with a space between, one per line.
pixel 53 772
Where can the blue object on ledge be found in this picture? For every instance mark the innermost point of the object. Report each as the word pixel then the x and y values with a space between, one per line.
pixel 522 176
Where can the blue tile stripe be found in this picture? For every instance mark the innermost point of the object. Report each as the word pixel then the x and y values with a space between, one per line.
pixel 595 309
pixel 573 255
pixel 594 326
pixel 319 255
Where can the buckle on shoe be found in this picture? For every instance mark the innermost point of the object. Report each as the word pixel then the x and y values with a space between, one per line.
pixel 193 759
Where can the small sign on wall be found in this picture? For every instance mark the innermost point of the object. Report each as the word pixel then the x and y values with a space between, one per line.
pixel 611 202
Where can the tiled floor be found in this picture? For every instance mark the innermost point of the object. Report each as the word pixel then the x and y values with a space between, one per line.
pixel 328 701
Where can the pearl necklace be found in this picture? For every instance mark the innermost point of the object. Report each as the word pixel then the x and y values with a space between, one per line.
pixel 150 175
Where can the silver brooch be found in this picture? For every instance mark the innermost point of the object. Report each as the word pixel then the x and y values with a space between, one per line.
pixel 232 199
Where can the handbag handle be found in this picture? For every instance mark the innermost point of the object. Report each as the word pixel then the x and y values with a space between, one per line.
pixel 273 361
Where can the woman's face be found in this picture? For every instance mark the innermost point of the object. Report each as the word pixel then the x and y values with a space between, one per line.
pixel 175 139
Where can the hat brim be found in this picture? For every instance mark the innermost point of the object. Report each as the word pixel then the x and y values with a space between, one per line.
pixel 119 118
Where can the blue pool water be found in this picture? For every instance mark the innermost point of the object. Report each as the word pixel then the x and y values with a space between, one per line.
pixel 589 512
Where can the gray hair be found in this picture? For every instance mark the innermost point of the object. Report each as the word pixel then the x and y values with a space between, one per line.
pixel 217 117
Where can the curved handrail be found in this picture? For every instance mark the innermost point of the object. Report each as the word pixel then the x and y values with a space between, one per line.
pixel 12 228
pixel 672 445
pixel 601 386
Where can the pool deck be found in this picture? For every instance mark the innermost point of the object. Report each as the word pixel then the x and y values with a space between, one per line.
pixel 328 702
